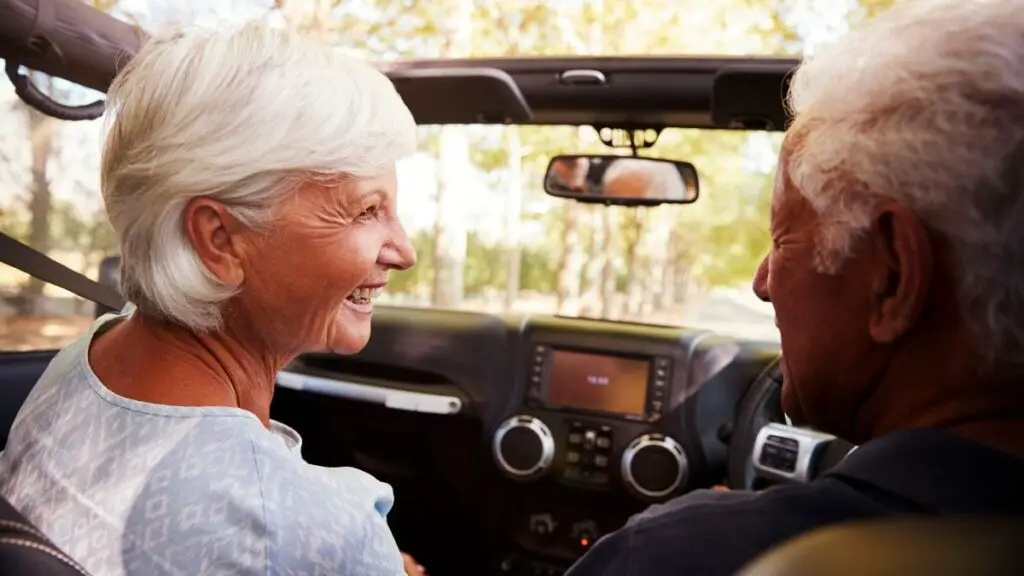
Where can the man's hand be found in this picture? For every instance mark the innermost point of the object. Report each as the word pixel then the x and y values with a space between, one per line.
pixel 412 567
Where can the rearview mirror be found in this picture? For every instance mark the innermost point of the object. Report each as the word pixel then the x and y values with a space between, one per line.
pixel 622 180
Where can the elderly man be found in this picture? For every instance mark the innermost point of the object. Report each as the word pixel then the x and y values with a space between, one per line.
pixel 250 177
pixel 897 277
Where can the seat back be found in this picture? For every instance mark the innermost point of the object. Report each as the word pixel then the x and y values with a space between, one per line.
pixel 24 549
pixel 904 547
pixel 109 275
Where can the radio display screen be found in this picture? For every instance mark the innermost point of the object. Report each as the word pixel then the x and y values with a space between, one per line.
pixel 597 382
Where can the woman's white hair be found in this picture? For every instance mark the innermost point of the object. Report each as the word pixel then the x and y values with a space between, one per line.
pixel 925 106
pixel 241 116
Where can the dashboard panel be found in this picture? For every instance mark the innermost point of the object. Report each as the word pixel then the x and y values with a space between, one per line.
pixel 583 421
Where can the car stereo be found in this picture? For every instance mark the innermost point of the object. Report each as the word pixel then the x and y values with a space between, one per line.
pixel 598 382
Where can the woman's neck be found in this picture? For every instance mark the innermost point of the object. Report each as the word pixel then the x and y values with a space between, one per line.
pixel 158 362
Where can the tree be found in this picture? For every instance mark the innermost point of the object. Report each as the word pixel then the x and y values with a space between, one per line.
pixel 43 138
pixel 42 133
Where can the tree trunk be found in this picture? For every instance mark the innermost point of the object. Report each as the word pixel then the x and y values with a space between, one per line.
pixel 571 258
pixel 682 283
pixel 591 283
pixel 668 273
pixel 450 226
pixel 634 284
pixel 608 262
pixel 450 231
pixel 513 216
pixel 634 230
pixel 42 130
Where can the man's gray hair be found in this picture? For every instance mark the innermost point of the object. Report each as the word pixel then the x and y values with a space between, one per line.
pixel 241 116
pixel 925 106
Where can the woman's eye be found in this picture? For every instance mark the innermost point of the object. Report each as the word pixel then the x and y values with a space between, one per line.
pixel 369 213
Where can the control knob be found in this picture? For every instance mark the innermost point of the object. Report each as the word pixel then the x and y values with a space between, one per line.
pixel 523 447
pixel 653 465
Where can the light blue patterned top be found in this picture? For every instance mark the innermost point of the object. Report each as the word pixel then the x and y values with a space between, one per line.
pixel 129 487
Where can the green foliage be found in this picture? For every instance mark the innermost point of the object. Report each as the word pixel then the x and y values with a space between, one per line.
pixel 539 269
pixel 13 225
pixel 485 266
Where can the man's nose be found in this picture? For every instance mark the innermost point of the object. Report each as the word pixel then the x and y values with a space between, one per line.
pixel 761 280
pixel 399 253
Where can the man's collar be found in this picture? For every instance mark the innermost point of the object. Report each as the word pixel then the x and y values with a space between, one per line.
pixel 938 472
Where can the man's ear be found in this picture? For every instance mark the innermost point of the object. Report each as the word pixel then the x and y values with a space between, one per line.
pixel 214 234
pixel 903 264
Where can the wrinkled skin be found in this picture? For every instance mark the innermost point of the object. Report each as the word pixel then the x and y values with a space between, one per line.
pixel 881 344
pixel 323 242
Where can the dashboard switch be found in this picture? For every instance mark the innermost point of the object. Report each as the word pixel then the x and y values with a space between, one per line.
pixel 583 535
pixel 786 454
pixel 542 525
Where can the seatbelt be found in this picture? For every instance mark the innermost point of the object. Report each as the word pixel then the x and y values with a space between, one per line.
pixel 39 265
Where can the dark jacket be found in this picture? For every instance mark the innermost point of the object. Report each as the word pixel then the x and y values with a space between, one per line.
pixel 707 533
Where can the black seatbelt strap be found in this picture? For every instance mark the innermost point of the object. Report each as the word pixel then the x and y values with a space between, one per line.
pixel 39 265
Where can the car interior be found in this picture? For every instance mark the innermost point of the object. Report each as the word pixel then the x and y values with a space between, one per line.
pixel 478 420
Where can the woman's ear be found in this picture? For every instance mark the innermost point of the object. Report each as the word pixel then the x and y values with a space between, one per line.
pixel 214 235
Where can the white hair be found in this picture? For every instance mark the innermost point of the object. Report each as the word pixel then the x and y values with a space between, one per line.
pixel 665 180
pixel 241 116
pixel 925 106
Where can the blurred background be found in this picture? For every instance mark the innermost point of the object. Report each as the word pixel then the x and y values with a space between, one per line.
pixel 488 237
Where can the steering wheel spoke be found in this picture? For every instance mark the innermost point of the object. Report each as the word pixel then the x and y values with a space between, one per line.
pixel 765 445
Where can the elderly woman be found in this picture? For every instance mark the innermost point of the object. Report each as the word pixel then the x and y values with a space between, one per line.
pixel 250 177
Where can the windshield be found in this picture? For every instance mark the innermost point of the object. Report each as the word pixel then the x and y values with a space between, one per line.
pixel 488 238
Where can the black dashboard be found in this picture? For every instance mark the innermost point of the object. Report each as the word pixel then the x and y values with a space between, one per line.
pixel 583 421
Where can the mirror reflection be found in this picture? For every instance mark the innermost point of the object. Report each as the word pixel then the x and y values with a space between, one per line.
pixel 621 179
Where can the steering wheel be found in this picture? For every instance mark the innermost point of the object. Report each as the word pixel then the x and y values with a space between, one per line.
pixel 761 405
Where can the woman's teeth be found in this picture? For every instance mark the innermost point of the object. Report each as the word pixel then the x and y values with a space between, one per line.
pixel 363 294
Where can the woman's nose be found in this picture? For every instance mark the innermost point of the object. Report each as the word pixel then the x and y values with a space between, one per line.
pixel 399 253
